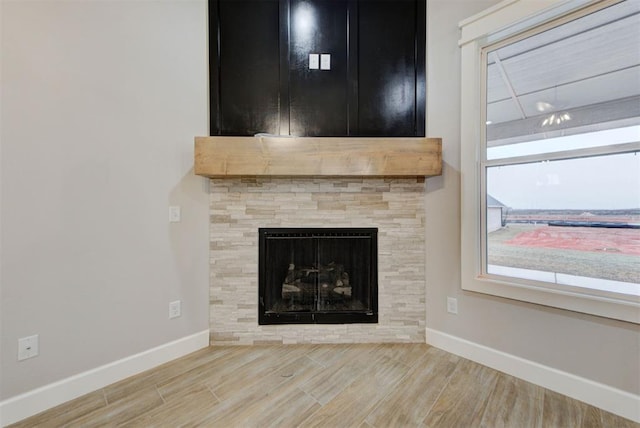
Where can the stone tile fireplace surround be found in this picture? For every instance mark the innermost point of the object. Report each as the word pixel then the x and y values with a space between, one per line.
pixel 239 206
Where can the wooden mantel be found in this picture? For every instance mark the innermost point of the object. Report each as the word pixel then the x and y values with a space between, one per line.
pixel 317 156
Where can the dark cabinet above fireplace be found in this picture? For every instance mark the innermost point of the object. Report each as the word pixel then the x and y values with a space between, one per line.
pixel 317 67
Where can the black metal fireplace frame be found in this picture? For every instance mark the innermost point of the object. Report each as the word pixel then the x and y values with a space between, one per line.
pixel 317 316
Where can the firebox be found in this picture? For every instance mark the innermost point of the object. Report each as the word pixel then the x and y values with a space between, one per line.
pixel 318 275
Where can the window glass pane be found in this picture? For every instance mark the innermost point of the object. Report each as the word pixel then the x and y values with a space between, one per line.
pixel 574 86
pixel 571 222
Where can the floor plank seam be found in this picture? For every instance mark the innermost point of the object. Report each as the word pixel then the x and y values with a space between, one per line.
pixel 214 394
pixel 320 406
pixel 104 396
pixel 160 394
pixel 444 387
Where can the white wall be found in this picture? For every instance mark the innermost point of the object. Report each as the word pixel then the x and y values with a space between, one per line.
pixel 100 104
pixel 598 349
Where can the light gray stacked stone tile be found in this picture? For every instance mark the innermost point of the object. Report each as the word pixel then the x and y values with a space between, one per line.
pixel 240 206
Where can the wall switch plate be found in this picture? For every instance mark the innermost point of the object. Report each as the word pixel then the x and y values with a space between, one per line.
pixel 175 309
pixel 174 214
pixel 28 347
pixel 325 61
pixel 452 305
pixel 314 61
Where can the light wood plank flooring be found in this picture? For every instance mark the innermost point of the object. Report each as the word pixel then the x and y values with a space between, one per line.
pixel 377 385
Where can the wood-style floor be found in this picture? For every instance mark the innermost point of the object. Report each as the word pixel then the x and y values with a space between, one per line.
pixel 377 385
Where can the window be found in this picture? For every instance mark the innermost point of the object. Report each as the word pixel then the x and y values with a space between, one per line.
pixel 551 155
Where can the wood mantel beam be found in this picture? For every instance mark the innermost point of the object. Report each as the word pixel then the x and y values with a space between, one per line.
pixel 317 156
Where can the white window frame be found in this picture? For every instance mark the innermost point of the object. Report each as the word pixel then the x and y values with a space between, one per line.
pixel 494 25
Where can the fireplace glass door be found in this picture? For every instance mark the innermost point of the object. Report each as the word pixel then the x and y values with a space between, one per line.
pixel 318 276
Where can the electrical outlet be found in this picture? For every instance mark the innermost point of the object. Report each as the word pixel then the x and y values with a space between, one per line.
pixel 28 347
pixel 175 309
pixel 452 305
pixel 174 214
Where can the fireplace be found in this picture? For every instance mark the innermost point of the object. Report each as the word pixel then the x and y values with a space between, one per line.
pixel 318 275
pixel 240 206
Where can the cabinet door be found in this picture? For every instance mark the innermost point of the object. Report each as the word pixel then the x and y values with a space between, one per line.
pixel 390 68
pixel 318 97
pixel 263 79
pixel 245 61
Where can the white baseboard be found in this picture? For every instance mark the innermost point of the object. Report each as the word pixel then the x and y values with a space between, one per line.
pixel 612 400
pixel 33 402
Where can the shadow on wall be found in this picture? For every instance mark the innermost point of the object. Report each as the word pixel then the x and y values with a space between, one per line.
pixel 190 236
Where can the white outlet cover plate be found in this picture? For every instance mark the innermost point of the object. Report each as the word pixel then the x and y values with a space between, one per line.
pixel 452 305
pixel 175 309
pixel 174 214
pixel 28 347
